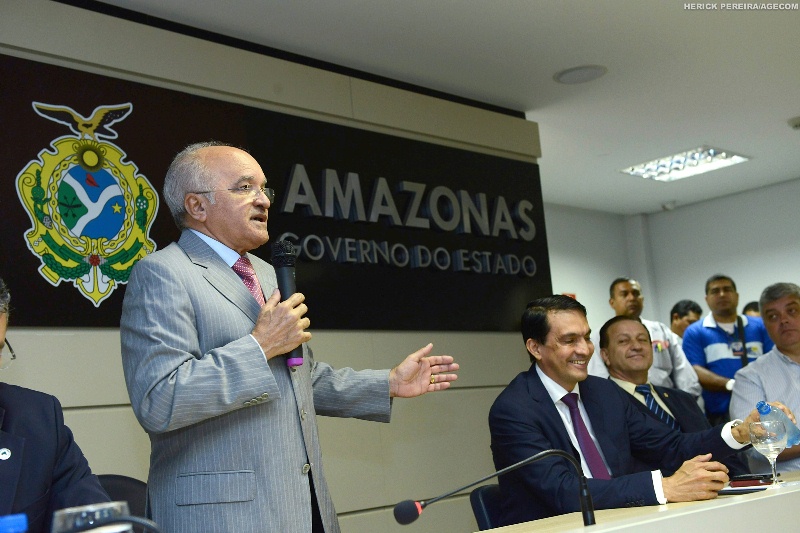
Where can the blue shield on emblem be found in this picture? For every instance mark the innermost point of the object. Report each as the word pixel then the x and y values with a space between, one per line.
pixel 91 203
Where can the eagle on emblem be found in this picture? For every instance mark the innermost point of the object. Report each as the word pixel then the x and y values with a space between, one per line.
pixel 97 125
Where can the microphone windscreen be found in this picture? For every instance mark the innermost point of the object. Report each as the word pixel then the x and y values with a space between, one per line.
pixel 407 511
pixel 283 254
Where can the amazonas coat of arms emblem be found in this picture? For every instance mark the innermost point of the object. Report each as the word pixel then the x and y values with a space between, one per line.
pixel 91 212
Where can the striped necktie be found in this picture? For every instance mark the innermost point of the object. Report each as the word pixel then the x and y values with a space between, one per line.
pixel 652 404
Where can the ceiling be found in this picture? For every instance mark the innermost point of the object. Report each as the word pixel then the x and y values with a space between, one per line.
pixel 677 78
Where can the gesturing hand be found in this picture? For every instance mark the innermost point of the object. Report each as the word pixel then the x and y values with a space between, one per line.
pixel 420 373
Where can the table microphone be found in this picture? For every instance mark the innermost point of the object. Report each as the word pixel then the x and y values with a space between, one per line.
pixel 97 525
pixel 283 260
pixel 407 511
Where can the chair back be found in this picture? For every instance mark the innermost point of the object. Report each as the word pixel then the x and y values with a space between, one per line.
pixel 485 502
pixel 124 488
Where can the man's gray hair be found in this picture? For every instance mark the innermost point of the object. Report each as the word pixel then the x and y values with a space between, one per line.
pixel 186 174
pixel 5 298
pixel 776 291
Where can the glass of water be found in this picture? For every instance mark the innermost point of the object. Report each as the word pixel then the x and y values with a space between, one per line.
pixel 769 438
pixel 87 515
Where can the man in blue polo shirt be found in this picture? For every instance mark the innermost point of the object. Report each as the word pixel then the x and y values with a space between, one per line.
pixel 718 345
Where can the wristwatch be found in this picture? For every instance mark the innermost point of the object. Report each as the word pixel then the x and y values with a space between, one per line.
pixel 729 384
pixel 738 422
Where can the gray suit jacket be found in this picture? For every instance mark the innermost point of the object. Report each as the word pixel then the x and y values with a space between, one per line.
pixel 233 436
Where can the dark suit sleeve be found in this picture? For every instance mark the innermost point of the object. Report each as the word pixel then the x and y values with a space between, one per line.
pixel 655 443
pixel 73 481
pixel 53 473
pixel 692 420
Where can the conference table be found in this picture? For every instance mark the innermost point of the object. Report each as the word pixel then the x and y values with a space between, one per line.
pixel 770 510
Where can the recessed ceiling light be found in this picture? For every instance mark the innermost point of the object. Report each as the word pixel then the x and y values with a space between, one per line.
pixel 685 164
pixel 576 75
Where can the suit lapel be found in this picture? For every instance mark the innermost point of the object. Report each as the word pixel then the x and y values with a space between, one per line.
pixel 9 468
pixel 550 415
pixel 672 403
pixel 218 274
pixel 594 405
pixel 264 277
pixel 646 410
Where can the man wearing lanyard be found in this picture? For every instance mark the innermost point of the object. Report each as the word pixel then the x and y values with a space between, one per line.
pixel 722 343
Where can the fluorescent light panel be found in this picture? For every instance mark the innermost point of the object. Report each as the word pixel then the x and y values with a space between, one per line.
pixel 685 164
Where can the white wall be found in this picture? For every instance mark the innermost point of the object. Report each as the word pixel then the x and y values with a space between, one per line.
pixel 587 251
pixel 753 237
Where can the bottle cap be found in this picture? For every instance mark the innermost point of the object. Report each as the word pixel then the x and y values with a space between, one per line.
pixel 14 523
pixel 763 408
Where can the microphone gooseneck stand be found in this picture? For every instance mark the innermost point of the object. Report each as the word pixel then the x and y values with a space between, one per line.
pixel 407 511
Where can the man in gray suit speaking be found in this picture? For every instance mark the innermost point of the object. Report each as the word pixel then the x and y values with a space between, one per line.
pixel 233 430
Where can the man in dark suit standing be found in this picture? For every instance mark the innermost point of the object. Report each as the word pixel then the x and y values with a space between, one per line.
pixel 626 349
pixel 42 469
pixel 556 404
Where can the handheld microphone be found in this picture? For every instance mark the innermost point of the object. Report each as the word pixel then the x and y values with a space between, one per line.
pixel 283 260
pixel 407 511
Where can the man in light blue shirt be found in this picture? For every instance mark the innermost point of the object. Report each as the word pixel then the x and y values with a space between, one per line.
pixel 777 373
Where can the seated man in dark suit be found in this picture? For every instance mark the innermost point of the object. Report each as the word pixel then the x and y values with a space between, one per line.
pixel 626 348
pixel 42 469
pixel 556 404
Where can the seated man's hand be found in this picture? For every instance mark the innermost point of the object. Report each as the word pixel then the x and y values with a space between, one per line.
pixel 699 478
pixel 742 432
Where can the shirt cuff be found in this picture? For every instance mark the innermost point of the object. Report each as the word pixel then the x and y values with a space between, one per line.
pixel 259 346
pixel 658 486
pixel 727 436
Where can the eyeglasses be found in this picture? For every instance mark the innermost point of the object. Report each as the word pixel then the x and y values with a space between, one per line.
pixel 245 190
pixel 6 362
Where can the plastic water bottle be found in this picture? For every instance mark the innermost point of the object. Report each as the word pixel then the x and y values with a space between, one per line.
pixel 767 412
pixel 14 523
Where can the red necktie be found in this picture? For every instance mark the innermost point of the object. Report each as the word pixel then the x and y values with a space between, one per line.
pixel 590 452
pixel 244 268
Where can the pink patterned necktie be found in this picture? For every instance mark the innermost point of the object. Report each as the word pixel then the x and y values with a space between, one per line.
pixel 244 268
pixel 590 452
